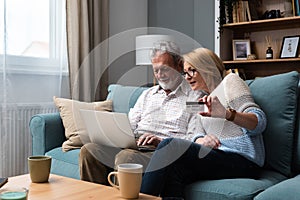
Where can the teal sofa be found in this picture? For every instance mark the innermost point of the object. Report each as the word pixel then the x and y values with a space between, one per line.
pixel 278 95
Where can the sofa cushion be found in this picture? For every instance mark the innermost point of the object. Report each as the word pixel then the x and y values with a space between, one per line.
pixel 65 163
pixel 277 96
pixel 288 189
pixel 296 163
pixel 228 189
pixel 75 129
pixel 124 97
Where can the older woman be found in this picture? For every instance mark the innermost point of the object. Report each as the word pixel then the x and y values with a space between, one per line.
pixel 229 142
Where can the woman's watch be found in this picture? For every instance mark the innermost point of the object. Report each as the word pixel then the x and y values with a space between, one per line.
pixel 232 114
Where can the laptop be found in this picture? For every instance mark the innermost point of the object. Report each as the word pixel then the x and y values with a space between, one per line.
pixel 111 129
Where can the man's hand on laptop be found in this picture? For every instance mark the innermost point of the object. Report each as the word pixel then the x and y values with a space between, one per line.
pixel 148 139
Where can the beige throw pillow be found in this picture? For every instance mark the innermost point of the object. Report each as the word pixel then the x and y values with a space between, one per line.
pixel 75 130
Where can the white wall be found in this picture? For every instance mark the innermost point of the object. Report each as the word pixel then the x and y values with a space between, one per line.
pixel 127 18
pixel 204 23
pixel 127 14
pixel 195 18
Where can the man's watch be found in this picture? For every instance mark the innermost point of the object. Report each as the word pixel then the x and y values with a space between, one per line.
pixel 232 114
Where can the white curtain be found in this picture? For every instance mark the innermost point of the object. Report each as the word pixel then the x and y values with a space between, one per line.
pixel 31 73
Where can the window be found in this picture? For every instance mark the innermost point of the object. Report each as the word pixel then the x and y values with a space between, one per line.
pixel 31 31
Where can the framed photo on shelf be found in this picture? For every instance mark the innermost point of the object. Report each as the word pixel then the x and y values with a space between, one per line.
pixel 289 47
pixel 241 49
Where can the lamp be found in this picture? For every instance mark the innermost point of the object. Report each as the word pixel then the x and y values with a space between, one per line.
pixel 143 45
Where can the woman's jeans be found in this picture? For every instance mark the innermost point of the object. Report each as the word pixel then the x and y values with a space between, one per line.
pixel 177 163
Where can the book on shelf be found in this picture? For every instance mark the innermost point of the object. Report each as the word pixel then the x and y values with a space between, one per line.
pixel 247 10
pixel 241 12
pixel 297 8
pixel 294 7
pixel 234 13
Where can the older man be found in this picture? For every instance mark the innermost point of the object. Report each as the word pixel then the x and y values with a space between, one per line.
pixel 158 113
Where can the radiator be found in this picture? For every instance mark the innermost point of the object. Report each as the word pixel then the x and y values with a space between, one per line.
pixel 15 137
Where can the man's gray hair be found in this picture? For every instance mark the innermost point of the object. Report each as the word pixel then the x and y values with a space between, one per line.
pixel 169 47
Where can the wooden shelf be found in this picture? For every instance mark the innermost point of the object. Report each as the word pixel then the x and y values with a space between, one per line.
pixel 256 31
pixel 262 61
pixel 267 24
pixel 265 67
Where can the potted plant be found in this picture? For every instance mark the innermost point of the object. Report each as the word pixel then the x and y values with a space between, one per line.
pixel 226 8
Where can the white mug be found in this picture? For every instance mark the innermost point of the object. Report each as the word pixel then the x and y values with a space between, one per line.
pixel 129 178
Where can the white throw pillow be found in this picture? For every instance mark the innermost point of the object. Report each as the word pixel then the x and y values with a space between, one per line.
pixel 75 130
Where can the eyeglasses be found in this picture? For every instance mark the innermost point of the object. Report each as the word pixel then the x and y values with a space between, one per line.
pixel 190 73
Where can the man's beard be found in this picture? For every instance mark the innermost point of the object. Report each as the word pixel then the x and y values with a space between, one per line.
pixel 171 84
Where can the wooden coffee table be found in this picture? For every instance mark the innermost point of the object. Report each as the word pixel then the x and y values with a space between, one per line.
pixel 60 187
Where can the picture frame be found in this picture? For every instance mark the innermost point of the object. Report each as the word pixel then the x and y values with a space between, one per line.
pixel 241 49
pixel 289 47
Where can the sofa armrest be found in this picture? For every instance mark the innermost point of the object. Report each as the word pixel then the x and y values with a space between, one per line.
pixel 47 132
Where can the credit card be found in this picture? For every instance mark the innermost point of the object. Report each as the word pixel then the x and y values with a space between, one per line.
pixel 195 106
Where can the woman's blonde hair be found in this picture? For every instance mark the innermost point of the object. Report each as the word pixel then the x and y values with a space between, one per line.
pixel 208 64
